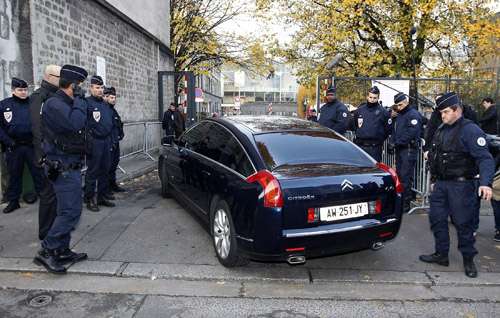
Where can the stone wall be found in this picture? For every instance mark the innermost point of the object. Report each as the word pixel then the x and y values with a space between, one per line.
pixel 78 31
pixel 15 44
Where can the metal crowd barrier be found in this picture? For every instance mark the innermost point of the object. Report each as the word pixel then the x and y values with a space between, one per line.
pixel 140 138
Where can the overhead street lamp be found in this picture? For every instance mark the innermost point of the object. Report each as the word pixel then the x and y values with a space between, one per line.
pixel 412 32
pixel 329 66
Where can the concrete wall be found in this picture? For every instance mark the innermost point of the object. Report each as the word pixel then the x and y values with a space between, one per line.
pixel 15 43
pixel 152 15
pixel 76 32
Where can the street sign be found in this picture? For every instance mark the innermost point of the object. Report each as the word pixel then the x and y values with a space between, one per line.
pixel 198 95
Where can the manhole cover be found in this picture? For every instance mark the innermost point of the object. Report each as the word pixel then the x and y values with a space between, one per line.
pixel 40 301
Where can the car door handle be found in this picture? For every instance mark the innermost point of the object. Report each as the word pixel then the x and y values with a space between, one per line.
pixel 205 172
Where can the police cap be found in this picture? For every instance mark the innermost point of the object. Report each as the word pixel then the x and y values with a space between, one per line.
pixel 73 73
pixel 97 80
pixel 331 90
pixel 374 90
pixel 18 83
pixel 109 90
pixel 399 97
pixel 447 100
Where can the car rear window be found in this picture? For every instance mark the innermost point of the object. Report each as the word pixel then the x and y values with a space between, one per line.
pixel 298 147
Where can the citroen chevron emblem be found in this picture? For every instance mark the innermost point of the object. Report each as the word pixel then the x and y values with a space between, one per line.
pixel 346 184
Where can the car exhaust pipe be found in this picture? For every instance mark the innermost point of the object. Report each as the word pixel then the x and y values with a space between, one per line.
pixel 296 259
pixel 377 246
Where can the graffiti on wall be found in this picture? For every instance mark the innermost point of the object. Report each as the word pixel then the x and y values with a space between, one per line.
pixel 9 48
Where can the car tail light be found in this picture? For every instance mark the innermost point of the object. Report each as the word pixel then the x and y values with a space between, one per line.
pixel 295 249
pixel 312 215
pixel 394 175
pixel 273 197
pixel 375 207
pixel 385 234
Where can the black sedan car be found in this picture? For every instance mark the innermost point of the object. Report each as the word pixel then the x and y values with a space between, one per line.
pixel 281 189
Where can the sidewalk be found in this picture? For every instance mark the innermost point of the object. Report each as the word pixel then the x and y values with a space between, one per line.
pixel 148 238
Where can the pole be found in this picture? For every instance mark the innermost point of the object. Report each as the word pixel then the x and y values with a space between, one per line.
pixel 413 30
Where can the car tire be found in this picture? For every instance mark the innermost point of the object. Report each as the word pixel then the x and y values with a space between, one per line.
pixel 165 188
pixel 224 236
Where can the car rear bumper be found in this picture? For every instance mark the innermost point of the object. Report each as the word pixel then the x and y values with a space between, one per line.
pixel 332 239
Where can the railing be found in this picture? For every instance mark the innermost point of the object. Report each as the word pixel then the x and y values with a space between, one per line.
pixel 140 138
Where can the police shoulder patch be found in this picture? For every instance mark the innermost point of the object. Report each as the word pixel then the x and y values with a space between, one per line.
pixel 414 122
pixel 481 141
pixel 344 114
pixel 389 121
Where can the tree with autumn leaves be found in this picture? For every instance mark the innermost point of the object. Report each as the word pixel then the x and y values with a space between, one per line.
pixel 374 37
pixel 200 45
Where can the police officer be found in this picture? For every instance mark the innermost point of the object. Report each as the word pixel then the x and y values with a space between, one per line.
pixel 16 135
pixel 63 129
pixel 405 140
pixel 372 124
pixel 459 151
pixel 47 209
pixel 116 135
pixel 100 125
pixel 334 114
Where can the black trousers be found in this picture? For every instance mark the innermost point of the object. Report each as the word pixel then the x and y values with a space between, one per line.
pixel 47 209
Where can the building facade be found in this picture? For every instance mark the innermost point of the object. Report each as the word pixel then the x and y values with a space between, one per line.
pixel 126 42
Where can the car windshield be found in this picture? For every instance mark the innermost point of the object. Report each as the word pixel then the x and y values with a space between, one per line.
pixel 299 147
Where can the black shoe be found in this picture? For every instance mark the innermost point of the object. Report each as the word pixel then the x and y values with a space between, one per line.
pixel 109 197
pixel 13 205
pixel 92 205
pixel 117 188
pixel 435 258
pixel 496 238
pixel 50 261
pixel 470 267
pixel 105 202
pixel 68 256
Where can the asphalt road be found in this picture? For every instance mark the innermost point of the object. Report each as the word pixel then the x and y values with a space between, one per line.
pixel 149 257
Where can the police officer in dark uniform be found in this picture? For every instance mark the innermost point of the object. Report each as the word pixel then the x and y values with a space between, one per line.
pixel 116 136
pixel 372 124
pixel 405 141
pixel 459 152
pixel 334 114
pixel 16 135
pixel 47 209
pixel 100 125
pixel 64 118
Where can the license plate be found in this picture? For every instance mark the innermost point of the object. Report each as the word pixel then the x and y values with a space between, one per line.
pixel 342 212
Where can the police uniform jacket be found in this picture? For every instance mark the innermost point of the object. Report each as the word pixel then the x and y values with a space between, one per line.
pixel 489 121
pixel 15 121
pixel 407 128
pixel 371 123
pixel 100 118
pixel 117 133
pixel 62 116
pixel 334 115
pixel 38 97
pixel 471 142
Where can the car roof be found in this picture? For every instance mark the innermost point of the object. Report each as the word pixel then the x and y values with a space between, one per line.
pixel 264 124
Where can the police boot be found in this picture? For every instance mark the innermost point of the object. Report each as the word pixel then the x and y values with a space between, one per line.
pixel 435 258
pixel 68 256
pixel 48 259
pixel 13 205
pixel 102 201
pixel 109 197
pixel 92 205
pixel 470 267
pixel 117 188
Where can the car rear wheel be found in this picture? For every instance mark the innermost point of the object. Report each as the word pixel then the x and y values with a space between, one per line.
pixel 224 236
